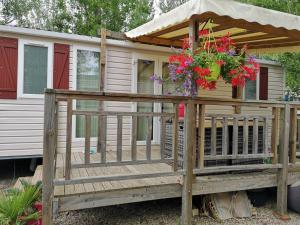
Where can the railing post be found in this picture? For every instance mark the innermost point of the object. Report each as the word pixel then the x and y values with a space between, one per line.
pixel 293 135
pixel 189 140
pixel 283 159
pixel 274 137
pixel 48 155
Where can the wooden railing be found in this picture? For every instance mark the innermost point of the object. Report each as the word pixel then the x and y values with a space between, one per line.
pixel 282 141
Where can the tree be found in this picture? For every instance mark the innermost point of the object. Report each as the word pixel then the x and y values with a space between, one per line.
pixel 76 16
pixel 167 5
pixel 116 15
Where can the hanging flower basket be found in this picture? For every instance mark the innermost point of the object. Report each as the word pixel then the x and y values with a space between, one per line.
pixel 214 59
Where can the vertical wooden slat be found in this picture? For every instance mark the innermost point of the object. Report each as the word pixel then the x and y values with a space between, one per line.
pixel 201 135
pixel 275 130
pixel 149 138
pixel 235 136
pixel 69 139
pixel 245 135
pixel 293 135
pixel 213 136
pixel 119 138
pixel 87 139
pixel 162 136
pixel 50 133
pixel 225 136
pixel 283 159
pixel 189 136
pixel 175 137
pixel 265 136
pixel 101 132
pixel 103 137
pixel 133 138
pixel 298 135
pixel 255 136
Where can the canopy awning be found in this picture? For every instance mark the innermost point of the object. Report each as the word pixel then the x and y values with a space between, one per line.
pixel 262 29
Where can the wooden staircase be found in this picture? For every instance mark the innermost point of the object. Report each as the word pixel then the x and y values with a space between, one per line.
pixel 38 174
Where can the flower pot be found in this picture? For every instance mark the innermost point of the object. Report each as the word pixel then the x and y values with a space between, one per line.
pixel 215 70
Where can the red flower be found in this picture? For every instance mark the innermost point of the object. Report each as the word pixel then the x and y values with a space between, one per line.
pixel 202 72
pixel 186 43
pixel 203 32
pixel 221 49
pixel 205 84
pixel 220 62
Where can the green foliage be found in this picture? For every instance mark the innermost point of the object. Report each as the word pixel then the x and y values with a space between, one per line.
pixel 16 205
pixel 167 5
pixel 76 16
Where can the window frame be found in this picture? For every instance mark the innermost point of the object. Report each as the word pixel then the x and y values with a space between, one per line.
pixel 74 84
pixel 21 69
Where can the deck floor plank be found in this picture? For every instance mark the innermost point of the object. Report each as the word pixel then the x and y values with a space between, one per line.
pixel 77 157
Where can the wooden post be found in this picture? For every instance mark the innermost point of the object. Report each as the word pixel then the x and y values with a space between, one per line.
pixel 274 138
pixel 283 159
pixel 101 144
pixel 238 109
pixel 48 155
pixel 175 137
pixel 293 135
pixel 189 137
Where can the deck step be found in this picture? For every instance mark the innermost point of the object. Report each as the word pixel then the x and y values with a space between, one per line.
pixel 18 184
pixel 38 174
pixel 31 179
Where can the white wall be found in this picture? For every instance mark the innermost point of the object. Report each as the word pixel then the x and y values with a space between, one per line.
pixel 21 120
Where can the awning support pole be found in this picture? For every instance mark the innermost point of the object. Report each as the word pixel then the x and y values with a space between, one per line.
pixel 189 146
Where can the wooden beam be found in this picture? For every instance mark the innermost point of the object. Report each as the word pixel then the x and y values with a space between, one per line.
pixel 100 142
pixel 274 44
pixel 158 41
pixel 189 136
pixel 283 159
pixel 274 135
pixel 215 29
pixel 254 39
pixel 49 149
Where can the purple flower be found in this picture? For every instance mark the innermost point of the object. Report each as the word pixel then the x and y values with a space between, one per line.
pixel 252 58
pixel 231 52
pixel 172 72
pixel 156 79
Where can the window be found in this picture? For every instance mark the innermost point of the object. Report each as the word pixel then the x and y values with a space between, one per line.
pixel 87 79
pixel 258 89
pixel 251 90
pixel 35 68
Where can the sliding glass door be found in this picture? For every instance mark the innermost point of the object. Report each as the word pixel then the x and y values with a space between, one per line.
pixel 145 69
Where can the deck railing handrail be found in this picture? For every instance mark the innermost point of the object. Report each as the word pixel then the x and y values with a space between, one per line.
pixel 63 95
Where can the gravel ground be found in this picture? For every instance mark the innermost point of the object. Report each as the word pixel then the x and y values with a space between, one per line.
pixel 163 212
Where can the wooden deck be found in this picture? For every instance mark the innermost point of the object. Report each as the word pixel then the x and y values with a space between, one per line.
pixel 78 157
pixel 132 173
pixel 98 194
